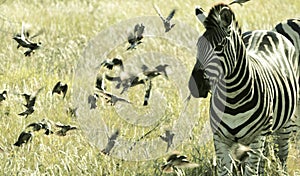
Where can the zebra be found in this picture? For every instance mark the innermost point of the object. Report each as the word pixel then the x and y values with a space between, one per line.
pixel 253 80
pixel 289 28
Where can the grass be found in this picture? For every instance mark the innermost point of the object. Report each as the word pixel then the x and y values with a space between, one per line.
pixel 69 27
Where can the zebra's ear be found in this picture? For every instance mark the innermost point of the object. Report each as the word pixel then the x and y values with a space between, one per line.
pixel 226 16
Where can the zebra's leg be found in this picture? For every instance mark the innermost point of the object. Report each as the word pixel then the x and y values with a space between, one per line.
pixel 253 163
pixel 224 162
pixel 282 141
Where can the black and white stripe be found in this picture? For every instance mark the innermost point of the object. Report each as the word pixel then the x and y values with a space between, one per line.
pixel 254 83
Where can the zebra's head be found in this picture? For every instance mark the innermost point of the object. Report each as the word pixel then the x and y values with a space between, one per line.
pixel 216 51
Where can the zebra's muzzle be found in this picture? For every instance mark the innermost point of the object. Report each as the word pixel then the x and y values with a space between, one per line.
pixel 198 84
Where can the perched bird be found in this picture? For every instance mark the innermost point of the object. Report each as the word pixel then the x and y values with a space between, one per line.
pixel 108 63
pixel 168 138
pixel 23 40
pixel 3 96
pixel 92 100
pixel 175 162
pixel 200 14
pixel 27 112
pixel 112 99
pixel 44 124
pixel 24 137
pixel 135 38
pixel 60 88
pixel 111 143
pixel 167 21
pixel 239 2
pixel 64 129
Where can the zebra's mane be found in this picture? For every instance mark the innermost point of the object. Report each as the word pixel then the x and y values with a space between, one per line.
pixel 213 21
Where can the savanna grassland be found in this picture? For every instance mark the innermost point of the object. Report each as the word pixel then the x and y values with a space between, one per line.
pixel 69 28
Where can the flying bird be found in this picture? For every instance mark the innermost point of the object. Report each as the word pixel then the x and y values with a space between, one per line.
pixel 72 112
pixel 60 88
pixel 175 162
pixel 239 2
pixel 92 100
pixel 112 99
pixel 37 126
pixel 3 96
pixel 23 138
pixel 167 21
pixel 64 129
pixel 27 112
pixel 30 102
pixel 23 40
pixel 111 143
pixel 108 63
pixel 124 81
pixel 168 138
pixel 135 38
pixel 31 98
pixel 162 69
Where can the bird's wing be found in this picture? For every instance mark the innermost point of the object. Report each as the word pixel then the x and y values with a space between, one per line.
pixel 32 124
pixel 27 97
pixel 22 32
pixel 56 87
pixel 60 125
pixel 64 90
pixel 172 13
pixel 158 12
pixel 91 99
pixel 37 34
pixel 140 31
pixel 131 38
pixel 31 102
pixel 112 78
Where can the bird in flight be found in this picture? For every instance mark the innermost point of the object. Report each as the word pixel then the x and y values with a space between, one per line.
pixel 112 99
pixel 108 63
pixel 175 162
pixel 92 100
pixel 135 38
pixel 111 143
pixel 23 40
pixel 27 112
pixel 23 138
pixel 167 21
pixel 239 2
pixel 168 138
pixel 44 124
pixel 60 88
pixel 30 102
pixel 3 96
pixel 64 129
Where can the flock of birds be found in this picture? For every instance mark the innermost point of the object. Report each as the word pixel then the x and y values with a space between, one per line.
pixel 45 124
pixel 124 80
